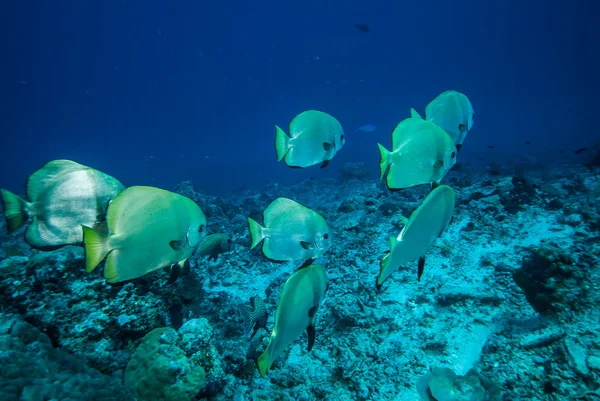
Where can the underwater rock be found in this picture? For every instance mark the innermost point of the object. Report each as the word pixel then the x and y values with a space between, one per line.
pixel 577 356
pixel 212 206
pixel 542 339
pixel 32 369
pixel 160 370
pixel 442 384
pixel 350 171
pixel 522 193
pixel 196 339
pixel 388 208
pixel 79 311
pixel 346 207
pixel 594 161
pixel 550 280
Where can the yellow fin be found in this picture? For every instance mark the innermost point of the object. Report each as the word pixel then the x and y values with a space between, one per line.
pixel 263 363
pixel 96 248
pixel 382 267
pixel 281 143
pixel 256 232
pixel 384 160
pixel 15 210
pixel 111 271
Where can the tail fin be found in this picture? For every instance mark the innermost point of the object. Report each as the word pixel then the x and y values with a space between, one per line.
pixel 281 143
pixel 96 248
pixel 263 363
pixel 384 160
pixel 382 268
pixel 15 210
pixel 257 233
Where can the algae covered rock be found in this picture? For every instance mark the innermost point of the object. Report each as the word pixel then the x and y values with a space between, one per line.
pixel 442 384
pixel 160 370
pixel 32 369
pixel 550 280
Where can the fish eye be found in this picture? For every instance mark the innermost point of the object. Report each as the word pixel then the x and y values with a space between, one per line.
pixel 453 155
pixel 325 236
pixel 342 137
pixel 201 228
pixel 473 118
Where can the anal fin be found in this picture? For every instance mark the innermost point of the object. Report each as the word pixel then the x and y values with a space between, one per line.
pixel 310 330
pixel 175 273
pixel 307 245
pixel 420 268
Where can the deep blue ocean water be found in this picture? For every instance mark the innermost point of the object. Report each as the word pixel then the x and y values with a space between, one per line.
pixel 159 92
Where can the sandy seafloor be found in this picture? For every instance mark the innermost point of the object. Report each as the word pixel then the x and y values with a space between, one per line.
pixel 512 291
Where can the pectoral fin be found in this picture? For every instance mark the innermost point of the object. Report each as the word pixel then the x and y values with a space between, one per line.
pixel 177 245
pixel 310 330
pixel 325 163
pixel 327 146
pixel 307 245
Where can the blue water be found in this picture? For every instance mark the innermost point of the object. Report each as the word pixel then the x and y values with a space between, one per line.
pixel 154 92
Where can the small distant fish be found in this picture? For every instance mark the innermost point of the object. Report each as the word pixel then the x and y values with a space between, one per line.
pixel 580 151
pixel 362 27
pixel 491 147
pixel 213 245
pixel 21 82
pixel 527 143
pixel 255 316
pixel 366 128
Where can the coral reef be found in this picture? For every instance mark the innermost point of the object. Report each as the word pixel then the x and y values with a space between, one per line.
pixel 160 370
pixel 32 369
pixel 509 291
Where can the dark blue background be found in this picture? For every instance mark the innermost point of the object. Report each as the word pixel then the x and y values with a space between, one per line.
pixel 156 92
